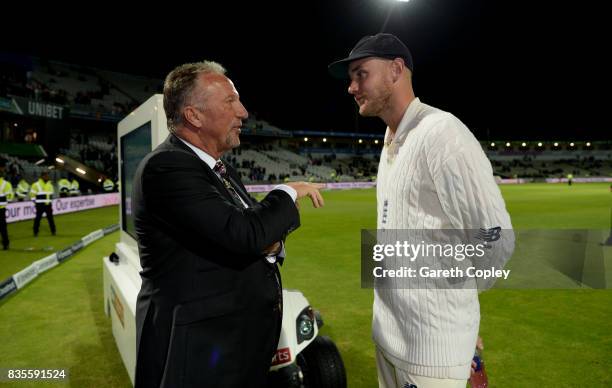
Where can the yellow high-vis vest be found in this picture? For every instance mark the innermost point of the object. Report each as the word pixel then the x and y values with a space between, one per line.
pixel 6 192
pixel 23 188
pixel 41 192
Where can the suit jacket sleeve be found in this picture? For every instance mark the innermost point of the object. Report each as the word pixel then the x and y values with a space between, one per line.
pixel 181 192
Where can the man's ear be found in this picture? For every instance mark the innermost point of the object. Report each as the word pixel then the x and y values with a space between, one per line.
pixel 192 116
pixel 397 66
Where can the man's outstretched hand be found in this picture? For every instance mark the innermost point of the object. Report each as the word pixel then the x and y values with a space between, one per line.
pixel 311 190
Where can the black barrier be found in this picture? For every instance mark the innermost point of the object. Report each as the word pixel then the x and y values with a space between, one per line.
pixel 77 246
pixel 64 254
pixel 110 229
pixel 7 287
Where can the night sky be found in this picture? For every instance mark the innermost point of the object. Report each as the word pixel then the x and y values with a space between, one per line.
pixel 509 70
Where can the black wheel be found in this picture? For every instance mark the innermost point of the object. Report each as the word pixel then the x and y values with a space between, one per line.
pixel 322 365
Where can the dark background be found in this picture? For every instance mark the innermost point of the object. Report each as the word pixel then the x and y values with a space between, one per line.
pixel 508 69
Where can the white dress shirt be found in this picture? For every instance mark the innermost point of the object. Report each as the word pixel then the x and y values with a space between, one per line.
pixel 210 161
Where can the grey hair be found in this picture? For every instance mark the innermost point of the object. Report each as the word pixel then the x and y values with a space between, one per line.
pixel 179 85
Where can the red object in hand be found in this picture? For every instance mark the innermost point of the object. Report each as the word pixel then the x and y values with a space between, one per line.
pixel 479 378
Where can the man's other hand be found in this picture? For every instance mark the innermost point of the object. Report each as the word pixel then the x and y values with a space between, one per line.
pixel 273 249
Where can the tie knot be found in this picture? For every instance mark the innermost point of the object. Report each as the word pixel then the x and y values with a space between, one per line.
pixel 220 168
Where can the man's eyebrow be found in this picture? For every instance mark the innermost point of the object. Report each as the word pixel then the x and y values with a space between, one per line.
pixel 358 67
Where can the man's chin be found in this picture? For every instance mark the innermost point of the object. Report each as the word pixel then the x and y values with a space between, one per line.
pixel 233 141
pixel 365 112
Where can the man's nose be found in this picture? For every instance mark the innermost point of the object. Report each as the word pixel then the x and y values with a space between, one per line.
pixel 352 88
pixel 242 112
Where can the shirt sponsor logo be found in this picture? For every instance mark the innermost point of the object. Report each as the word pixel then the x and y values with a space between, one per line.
pixel 489 235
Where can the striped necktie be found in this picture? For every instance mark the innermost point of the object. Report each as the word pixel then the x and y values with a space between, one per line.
pixel 220 169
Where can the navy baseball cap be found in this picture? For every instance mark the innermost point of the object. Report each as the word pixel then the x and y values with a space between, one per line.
pixel 381 45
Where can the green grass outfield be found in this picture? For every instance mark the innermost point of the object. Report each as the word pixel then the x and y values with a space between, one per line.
pixel 533 338
pixel 71 227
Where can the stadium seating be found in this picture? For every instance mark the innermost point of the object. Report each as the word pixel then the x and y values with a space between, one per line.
pixel 269 154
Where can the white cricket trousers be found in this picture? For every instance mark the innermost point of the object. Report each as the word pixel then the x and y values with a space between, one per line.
pixel 390 376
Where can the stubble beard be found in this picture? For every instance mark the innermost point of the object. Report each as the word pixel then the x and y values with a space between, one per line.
pixel 378 104
pixel 232 140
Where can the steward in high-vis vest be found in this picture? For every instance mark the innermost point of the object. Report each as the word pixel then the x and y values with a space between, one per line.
pixel 108 185
pixel 23 189
pixel 63 186
pixel 41 193
pixel 74 188
pixel 6 195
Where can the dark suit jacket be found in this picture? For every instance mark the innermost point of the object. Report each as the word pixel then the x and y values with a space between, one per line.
pixel 207 314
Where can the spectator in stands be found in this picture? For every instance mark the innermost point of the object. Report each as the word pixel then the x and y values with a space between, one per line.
pixel 442 165
pixel 209 310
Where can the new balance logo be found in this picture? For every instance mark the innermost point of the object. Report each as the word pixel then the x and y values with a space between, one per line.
pixel 489 235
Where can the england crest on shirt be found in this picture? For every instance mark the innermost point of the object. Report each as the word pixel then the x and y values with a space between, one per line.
pixel 384 212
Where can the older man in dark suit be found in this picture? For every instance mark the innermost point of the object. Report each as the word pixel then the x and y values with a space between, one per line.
pixel 209 311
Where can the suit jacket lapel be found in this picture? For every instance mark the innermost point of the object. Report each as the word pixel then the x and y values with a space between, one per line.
pixel 176 143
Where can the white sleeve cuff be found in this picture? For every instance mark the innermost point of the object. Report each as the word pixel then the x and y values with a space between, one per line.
pixel 279 257
pixel 287 189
